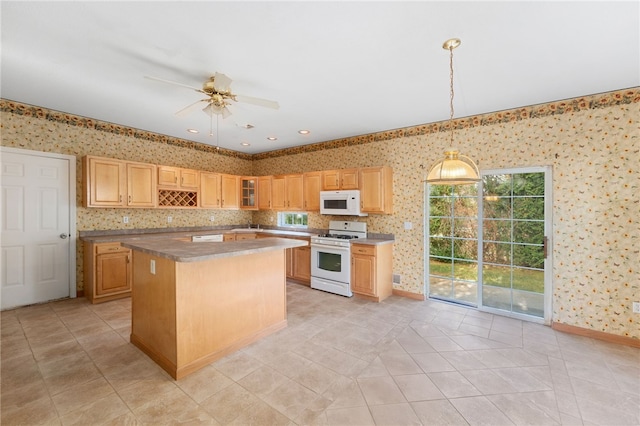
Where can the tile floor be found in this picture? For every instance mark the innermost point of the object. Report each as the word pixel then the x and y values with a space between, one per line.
pixel 340 362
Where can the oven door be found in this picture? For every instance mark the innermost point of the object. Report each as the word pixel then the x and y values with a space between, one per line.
pixel 331 263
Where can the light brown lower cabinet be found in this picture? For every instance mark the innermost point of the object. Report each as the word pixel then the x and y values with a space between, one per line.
pixel 298 261
pixel 301 268
pixel 107 271
pixel 371 271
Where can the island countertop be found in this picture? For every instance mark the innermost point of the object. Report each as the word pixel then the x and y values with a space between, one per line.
pixel 184 250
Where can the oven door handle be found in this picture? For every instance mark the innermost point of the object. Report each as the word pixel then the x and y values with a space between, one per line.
pixel 327 247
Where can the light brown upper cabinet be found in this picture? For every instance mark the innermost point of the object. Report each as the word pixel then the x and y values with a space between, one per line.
pixel 264 193
pixel 376 190
pixel 210 190
pixel 219 191
pixel 287 192
pixel 312 185
pixel 333 180
pixel 117 183
pixel 230 190
pixel 249 193
pixel 178 178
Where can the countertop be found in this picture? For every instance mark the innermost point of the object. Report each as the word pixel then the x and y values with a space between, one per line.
pixel 182 249
pixel 372 241
pixel 108 237
pixel 135 236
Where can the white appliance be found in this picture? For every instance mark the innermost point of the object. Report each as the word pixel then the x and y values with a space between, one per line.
pixel 331 257
pixel 346 202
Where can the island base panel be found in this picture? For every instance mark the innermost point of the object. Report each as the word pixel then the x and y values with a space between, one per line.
pixel 189 314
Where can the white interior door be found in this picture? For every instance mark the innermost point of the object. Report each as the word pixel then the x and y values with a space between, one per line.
pixel 38 250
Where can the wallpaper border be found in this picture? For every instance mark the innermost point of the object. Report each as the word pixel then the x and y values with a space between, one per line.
pixel 601 100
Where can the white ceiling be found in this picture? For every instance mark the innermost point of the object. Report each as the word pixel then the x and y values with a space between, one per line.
pixel 339 69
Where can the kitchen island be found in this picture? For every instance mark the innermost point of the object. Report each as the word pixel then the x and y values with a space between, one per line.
pixel 195 302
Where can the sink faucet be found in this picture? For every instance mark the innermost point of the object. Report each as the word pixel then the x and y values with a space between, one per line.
pixel 249 224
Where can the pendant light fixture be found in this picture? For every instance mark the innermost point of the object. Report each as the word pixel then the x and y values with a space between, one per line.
pixel 455 168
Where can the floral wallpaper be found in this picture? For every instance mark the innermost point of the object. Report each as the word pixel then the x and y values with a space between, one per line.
pixel 592 144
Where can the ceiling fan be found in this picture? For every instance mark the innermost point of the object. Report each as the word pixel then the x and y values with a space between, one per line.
pixel 218 91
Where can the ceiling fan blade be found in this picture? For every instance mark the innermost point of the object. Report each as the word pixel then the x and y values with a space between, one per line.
pixel 221 82
pixel 174 83
pixel 257 101
pixel 186 110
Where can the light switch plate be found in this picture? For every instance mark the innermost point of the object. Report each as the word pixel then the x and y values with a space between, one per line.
pixel 636 307
pixel 408 225
pixel 125 219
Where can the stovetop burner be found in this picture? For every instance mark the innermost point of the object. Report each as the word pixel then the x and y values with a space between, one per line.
pixel 340 237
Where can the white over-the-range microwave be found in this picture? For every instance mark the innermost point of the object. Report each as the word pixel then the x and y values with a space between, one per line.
pixel 344 203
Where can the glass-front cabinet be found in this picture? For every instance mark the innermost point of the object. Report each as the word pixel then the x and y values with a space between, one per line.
pixel 248 193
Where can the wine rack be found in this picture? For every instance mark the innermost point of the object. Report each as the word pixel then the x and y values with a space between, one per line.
pixel 170 198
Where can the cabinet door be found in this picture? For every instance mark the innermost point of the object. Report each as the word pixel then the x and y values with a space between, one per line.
pixel 264 193
pixel 330 180
pixel 189 179
pixel 230 191
pixel 363 276
pixel 302 263
pixel 141 185
pixel 295 192
pixel 168 176
pixel 312 183
pixel 210 190
pixel 241 237
pixel 248 193
pixel 105 182
pixel 278 194
pixel 113 273
pixel 376 190
pixel 349 179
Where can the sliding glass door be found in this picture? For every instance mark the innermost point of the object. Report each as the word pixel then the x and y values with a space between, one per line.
pixel 453 243
pixel 515 212
pixel 487 243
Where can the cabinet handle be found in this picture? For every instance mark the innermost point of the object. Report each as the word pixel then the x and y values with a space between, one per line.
pixel 113 248
pixel 129 259
pixel 182 181
pixel 120 198
pixel 222 205
pixel 175 179
pixel 129 199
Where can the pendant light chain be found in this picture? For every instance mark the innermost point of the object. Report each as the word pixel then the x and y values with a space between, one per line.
pixel 451 92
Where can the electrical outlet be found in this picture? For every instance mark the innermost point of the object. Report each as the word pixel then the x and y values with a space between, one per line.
pixel 212 218
pixel 169 219
pixel 125 219
pixel 408 225
pixel 152 267
pixel 636 307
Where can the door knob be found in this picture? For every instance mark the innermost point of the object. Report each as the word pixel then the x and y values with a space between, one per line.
pixel 63 236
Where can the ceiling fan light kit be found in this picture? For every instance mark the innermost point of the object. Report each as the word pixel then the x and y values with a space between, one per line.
pixel 455 168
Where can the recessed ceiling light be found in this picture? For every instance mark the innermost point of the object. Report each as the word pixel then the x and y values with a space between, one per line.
pixel 272 138
pixel 193 131
pixel 245 143
pixel 304 132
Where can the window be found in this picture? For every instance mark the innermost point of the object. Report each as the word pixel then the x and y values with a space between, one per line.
pixel 295 219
